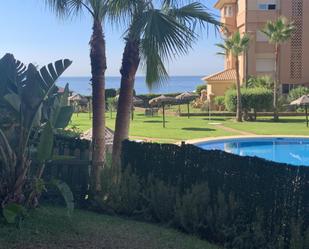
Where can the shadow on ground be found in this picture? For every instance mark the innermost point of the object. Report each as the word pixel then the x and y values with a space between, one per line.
pixel 216 119
pixel 197 129
pixel 154 121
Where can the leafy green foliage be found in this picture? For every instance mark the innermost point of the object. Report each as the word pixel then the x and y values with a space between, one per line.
pixel 14 213
pixel 110 93
pixel 220 101
pixel 258 99
pixel 46 143
pixel 30 96
pixel 235 45
pixel 199 88
pixel 297 93
pixel 260 82
pixel 278 31
pixel 66 193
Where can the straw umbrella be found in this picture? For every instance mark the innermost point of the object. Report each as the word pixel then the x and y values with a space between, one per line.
pixel 162 101
pixel 136 102
pixel 187 98
pixel 302 101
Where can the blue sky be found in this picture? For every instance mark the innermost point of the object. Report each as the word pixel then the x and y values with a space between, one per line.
pixel 33 33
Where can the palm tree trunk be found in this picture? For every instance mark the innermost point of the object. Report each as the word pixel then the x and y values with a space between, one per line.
pixel 239 107
pixel 275 102
pixel 130 63
pixel 98 68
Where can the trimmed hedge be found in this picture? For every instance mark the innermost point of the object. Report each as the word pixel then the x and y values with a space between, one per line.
pixel 239 202
pixel 259 99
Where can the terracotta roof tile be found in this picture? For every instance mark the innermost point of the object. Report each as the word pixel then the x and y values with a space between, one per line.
pixel 229 74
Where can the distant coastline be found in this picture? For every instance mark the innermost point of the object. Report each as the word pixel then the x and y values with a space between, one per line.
pixel 173 85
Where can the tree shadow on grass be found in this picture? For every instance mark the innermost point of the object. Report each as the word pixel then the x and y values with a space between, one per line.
pixel 217 119
pixel 154 121
pixel 281 120
pixel 197 129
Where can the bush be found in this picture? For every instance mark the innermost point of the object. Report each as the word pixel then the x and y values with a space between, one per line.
pixel 220 102
pixel 110 93
pixel 259 99
pixel 297 93
pixel 261 82
pixel 200 88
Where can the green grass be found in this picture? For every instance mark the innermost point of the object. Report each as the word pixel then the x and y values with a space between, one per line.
pixel 177 128
pixel 265 126
pixel 182 128
pixel 49 227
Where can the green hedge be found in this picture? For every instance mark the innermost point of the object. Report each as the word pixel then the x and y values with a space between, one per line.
pixel 259 99
pixel 238 202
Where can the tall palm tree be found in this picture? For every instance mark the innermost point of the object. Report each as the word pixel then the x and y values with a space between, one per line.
pixel 235 46
pixel 277 32
pixel 154 36
pixel 97 10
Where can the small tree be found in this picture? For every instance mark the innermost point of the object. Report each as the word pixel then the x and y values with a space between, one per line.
pixel 35 110
pixel 235 46
pixel 220 102
pixel 277 32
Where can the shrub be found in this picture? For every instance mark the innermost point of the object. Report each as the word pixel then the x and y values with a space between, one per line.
pixel 297 93
pixel 110 93
pixel 200 88
pixel 220 101
pixel 258 99
pixel 261 82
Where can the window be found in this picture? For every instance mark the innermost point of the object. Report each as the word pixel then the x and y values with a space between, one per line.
pixel 228 11
pixel 263 7
pixel 264 65
pixel 267 6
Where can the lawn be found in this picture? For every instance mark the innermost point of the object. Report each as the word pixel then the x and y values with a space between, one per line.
pixel 177 128
pixel 50 228
pixel 182 128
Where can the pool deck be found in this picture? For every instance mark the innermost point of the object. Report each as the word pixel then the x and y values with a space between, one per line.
pixel 209 139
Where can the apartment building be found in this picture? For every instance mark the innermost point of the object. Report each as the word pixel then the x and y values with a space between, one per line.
pixel 250 16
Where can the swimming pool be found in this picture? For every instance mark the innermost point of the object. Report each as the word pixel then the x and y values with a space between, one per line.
pixel 293 151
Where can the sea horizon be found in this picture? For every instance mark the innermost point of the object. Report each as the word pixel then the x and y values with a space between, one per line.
pixel 175 84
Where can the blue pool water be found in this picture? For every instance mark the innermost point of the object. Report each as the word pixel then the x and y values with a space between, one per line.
pixel 293 151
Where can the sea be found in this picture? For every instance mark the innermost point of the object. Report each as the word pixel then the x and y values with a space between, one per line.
pixel 175 84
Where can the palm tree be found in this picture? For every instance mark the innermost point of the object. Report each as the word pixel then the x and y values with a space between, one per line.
pixel 97 10
pixel 154 36
pixel 235 46
pixel 277 32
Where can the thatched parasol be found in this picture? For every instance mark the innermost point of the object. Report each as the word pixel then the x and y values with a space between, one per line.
pixel 302 101
pixel 136 102
pixel 162 101
pixel 187 98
